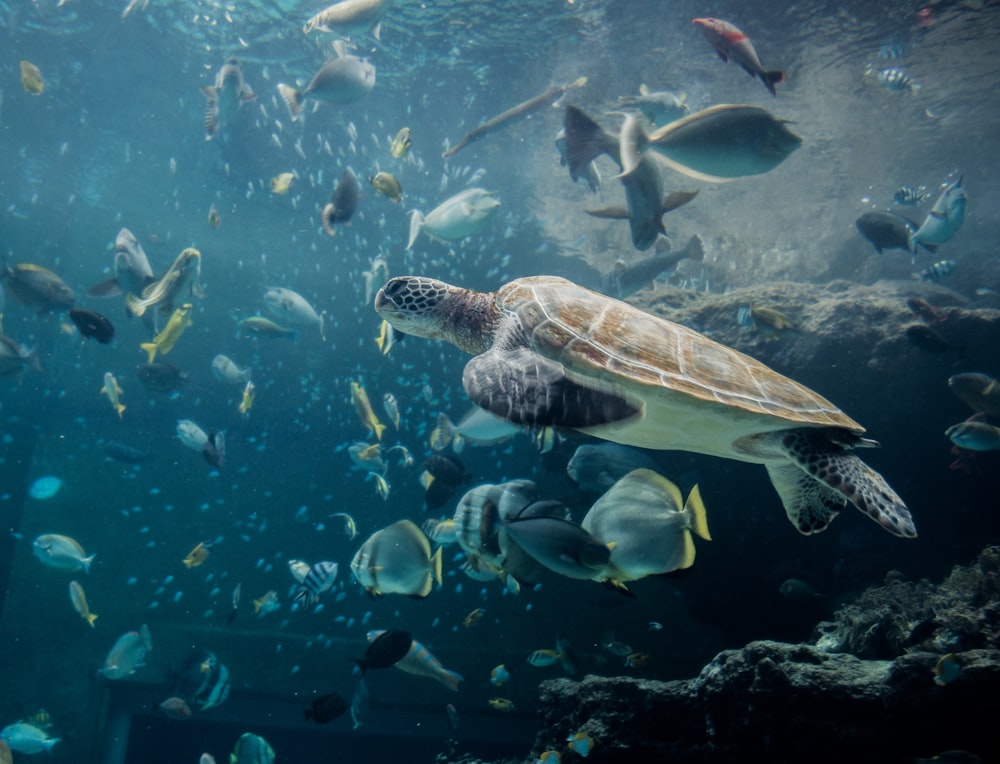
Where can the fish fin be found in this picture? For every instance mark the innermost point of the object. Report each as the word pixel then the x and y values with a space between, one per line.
pixel 449 679
pixel 246 94
pixel 86 561
pixel 688 171
pixel 292 99
pixel 610 213
pixel 771 78
pixel 677 199
pixel 585 141
pixel 379 429
pixel 416 223
pixel 105 289
pixel 644 89
pixel 120 408
pixel 150 348
pixel 377 31
pixel 524 388
pixel 699 518
pixel 695 249
pixel 91 617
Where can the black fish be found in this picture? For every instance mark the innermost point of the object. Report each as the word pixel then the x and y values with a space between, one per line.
pixel 585 141
pixel 887 230
pixel 343 204
pixel 161 377
pixel 125 453
pixel 326 708
pixel 448 473
pixel 214 450
pixel 92 324
pixel 386 650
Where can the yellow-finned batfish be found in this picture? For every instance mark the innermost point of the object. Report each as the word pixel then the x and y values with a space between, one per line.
pixel 548 98
pixel 111 389
pixel 401 144
pixel 349 17
pixel 31 78
pixel 79 600
pixel 397 560
pixel 386 337
pixel 359 399
pixel 225 97
pixel 642 519
pixel 164 342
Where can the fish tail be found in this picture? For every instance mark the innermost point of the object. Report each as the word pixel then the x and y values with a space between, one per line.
pixel 450 679
pixel 91 617
pixel 86 562
pixel 379 429
pixel 695 248
pixel 292 99
pixel 699 518
pixel 150 348
pixel 120 408
pixel 416 223
pixel 436 565
pixel 771 78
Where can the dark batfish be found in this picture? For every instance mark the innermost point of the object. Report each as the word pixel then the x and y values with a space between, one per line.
pixel 887 230
pixel 92 325
pixel 386 650
pixel 625 279
pixel 548 98
pixel 326 708
pixel 161 377
pixel 122 452
pixel 343 204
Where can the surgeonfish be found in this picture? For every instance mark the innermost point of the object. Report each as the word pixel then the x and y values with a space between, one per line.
pixel 397 560
pixel 191 435
pixel 464 214
pixel 78 598
pixel 197 555
pixel 225 97
pixel 164 342
pixel 92 324
pixel 626 278
pixel 225 370
pixel 557 542
pixel 61 552
pixel 944 219
pixel 26 738
pixel 595 467
pixel 349 17
pixel 641 518
pixel 127 654
pixel 292 308
pixel 341 80
pixel 265 328
pixel 419 661
pixel 888 230
pixel 731 43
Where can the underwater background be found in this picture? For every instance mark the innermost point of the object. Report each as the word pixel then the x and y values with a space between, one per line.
pixel 117 140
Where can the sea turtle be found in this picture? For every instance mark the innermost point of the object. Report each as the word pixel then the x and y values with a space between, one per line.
pixel 551 353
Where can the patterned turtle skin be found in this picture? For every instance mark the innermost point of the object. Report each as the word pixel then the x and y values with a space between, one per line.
pixel 549 352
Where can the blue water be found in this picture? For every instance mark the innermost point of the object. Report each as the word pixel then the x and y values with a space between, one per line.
pixel 116 140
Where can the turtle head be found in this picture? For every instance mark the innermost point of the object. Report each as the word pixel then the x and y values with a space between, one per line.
pixel 429 308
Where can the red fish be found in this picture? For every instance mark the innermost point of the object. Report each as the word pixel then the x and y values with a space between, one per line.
pixel 731 43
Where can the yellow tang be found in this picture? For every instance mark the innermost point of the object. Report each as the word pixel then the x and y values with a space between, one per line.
pixel 167 338
pixel 31 78
pixel 502 704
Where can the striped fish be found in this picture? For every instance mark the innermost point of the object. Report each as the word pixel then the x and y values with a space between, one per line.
pixel 318 580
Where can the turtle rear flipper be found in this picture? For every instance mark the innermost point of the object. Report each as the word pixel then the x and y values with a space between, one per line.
pixel 525 388
pixel 843 473
pixel 809 504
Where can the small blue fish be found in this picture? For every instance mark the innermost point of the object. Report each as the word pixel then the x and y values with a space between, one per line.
pixel 45 487
pixel 907 196
pixel 937 271
pixel 744 318
pixel 891 51
pixel 895 78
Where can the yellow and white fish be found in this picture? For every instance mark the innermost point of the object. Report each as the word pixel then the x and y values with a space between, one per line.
pixel 359 399
pixel 113 391
pixel 381 484
pixel 164 342
pixel 282 182
pixel 79 600
pixel 249 392
pixel 391 408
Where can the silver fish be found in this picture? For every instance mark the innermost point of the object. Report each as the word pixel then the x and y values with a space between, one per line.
pixel 598 466
pixel 340 80
pixel 944 219
pixel 132 270
pixel 625 279
pixel 659 107
pixel 127 654
pixel 462 215
pixel 225 370
pixel 292 308
pixel 349 17
pixel 180 284
pixel 397 560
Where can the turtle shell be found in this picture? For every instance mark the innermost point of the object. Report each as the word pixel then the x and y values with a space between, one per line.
pixel 675 373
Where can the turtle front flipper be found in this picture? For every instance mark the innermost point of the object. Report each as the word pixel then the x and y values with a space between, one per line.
pixel 527 389
pixel 840 475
